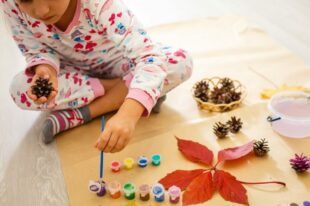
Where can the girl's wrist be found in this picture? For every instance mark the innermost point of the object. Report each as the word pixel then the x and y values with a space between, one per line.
pixel 132 109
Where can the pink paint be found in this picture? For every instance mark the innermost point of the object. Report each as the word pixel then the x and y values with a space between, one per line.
pixel 174 194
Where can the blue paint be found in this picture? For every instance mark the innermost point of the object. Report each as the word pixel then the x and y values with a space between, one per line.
pixel 142 161
pixel 159 193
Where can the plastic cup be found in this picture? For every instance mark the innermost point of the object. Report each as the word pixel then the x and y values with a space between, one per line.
pixel 159 192
pixel 156 159
pixel 128 163
pixel 129 191
pixel 174 194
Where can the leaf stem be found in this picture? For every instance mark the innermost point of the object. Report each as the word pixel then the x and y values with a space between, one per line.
pixel 261 183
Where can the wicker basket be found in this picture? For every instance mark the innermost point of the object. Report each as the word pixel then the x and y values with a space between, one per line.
pixel 208 106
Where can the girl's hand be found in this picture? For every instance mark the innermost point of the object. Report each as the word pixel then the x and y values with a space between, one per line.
pixel 44 71
pixel 119 129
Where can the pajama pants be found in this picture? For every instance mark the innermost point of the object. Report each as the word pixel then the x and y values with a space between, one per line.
pixel 77 87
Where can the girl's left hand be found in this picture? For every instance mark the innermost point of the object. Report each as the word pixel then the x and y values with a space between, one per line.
pixel 119 129
pixel 117 133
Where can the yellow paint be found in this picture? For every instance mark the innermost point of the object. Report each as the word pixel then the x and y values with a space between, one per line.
pixel 128 163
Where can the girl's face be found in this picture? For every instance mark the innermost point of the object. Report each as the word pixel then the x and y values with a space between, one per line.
pixel 48 11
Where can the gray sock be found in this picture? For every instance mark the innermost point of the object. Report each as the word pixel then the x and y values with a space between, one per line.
pixel 62 120
pixel 156 108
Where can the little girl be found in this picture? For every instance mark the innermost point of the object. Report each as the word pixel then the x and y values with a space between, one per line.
pixel 98 58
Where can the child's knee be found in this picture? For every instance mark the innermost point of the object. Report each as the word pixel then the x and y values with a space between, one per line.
pixel 181 67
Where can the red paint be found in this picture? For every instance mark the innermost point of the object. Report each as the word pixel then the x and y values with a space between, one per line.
pixel 115 166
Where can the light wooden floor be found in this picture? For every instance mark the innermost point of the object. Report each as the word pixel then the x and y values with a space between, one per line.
pixel 30 172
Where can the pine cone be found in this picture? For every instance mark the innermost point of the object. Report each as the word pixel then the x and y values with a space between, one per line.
pixel 235 96
pixel 300 163
pixel 216 96
pixel 201 90
pixel 261 147
pixel 220 130
pixel 227 84
pixel 42 88
pixel 234 124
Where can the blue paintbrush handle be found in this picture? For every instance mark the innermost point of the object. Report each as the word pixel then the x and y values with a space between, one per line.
pixel 101 154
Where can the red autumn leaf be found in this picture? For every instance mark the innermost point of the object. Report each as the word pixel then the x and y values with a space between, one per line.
pixel 199 190
pixel 230 188
pixel 235 153
pixel 180 178
pixel 195 152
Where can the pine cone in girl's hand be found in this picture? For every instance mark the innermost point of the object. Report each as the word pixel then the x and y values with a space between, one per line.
pixel 220 130
pixel 42 88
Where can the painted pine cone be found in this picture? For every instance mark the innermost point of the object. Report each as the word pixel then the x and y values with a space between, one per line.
pixel 300 163
pixel 42 88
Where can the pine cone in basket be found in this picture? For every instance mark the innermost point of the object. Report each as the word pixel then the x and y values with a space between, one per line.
pixel 227 84
pixel 235 96
pixel 201 90
pixel 42 88
pixel 261 147
pixel 216 96
pixel 234 124
pixel 220 130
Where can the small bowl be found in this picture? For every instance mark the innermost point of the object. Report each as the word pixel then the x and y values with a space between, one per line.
pixel 290 114
pixel 212 107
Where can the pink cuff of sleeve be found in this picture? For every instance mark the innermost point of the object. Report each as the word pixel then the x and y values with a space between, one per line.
pixel 30 72
pixel 144 98
pixel 96 86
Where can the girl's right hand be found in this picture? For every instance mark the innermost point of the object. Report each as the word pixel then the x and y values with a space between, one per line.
pixel 44 71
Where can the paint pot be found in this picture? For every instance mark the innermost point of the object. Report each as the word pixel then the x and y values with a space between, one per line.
pixel 115 166
pixel 156 159
pixel 128 163
pixel 94 186
pixel 142 161
pixel 129 191
pixel 115 189
pixel 99 187
pixel 144 191
pixel 174 194
pixel 159 192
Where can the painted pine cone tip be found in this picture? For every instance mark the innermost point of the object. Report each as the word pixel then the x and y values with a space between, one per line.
pixel 300 163
pixel 261 147
pixel 220 130
pixel 42 88
pixel 234 124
